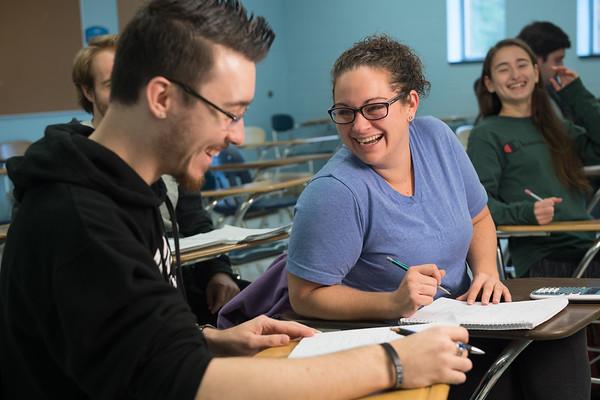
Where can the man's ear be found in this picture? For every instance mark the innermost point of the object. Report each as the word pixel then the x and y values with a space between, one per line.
pixel 89 94
pixel 159 96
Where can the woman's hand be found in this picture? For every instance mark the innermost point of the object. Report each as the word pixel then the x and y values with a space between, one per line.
pixel 417 289
pixel 544 209
pixel 489 286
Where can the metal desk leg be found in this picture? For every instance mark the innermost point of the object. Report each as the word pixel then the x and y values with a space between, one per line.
pixel 238 218
pixel 510 352
pixel 587 259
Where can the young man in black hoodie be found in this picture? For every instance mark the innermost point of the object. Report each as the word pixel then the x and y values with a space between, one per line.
pixel 89 304
pixel 208 284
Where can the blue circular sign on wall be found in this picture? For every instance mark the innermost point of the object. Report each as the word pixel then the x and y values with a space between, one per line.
pixel 94 31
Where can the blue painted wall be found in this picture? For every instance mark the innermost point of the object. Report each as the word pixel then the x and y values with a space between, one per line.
pixel 318 31
pixel 312 33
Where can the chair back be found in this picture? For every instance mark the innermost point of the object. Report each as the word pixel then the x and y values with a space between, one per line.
pixel 462 133
pixel 254 134
pixel 14 148
pixel 282 122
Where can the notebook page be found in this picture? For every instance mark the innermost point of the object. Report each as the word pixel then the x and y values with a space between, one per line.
pixel 330 342
pixel 516 315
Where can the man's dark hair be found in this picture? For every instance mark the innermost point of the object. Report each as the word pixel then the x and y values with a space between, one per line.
pixel 544 37
pixel 175 39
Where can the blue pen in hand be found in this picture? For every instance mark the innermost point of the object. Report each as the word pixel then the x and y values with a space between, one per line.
pixel 459 345
pixel 405 267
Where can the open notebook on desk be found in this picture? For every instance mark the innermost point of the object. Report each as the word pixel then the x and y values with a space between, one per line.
pixel 228 235
pixel 330 342
pixel 501 316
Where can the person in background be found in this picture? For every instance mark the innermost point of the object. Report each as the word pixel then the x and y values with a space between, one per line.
pixel 550 43
pixel 89 303
pixel 209 284
pixel 91 71
pixel 521 144
pixel 403 187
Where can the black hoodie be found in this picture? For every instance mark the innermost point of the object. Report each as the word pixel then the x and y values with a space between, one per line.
pixel 86 310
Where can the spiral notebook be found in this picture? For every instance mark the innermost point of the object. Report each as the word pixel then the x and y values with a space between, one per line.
pixel 503 316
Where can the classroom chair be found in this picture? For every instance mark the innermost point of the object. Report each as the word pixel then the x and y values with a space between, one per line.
pixel 228 207
pixel 8 150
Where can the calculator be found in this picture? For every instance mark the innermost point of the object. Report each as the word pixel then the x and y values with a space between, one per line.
pixel 575 293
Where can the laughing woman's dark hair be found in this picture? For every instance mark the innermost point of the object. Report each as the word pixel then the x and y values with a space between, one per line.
pixel 567 165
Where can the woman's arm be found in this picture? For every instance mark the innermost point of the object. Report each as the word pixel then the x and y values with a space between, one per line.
pixel 339 302
pixel 482 259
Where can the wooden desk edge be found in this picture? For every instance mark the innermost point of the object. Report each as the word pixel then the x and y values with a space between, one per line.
pixel 255 187
pixel 434 392
pixel 216 250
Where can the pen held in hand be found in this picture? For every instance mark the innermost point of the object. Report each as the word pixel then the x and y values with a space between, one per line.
pixel 460 345
pixel 531 194
pixel 405 267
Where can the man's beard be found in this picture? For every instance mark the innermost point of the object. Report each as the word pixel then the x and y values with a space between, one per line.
pixel 188 183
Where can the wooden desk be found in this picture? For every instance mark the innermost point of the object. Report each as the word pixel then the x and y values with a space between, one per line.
pixel 3 171
pixel 292 142
pixel 206 253
pixel 435 392
pixel 258 187
pixel 251 191
pixel 591 171
pixel 570 320
pixel 263 164
pixel 3 232
pixel 558 226
pixel 593 225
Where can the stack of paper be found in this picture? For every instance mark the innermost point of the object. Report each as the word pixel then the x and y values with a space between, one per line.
pixel 228 235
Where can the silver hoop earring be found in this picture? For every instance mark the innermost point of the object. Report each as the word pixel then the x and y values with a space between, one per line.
pixel 410 118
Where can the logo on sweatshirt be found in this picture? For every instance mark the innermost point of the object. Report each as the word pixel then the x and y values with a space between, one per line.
pixel 507 148
pixel 163 262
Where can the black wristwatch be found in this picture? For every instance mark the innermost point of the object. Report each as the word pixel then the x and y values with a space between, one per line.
pixel 393 356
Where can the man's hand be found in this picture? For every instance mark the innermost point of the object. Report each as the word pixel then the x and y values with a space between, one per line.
pixel 565 77
pixel 219 290
pixel 254 335
pixel 431 356
pixel 544 209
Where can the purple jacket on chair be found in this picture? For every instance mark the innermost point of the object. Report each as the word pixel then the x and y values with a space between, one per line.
pixel 266 295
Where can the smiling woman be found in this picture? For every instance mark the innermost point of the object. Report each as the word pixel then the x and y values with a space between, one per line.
pixel 521 144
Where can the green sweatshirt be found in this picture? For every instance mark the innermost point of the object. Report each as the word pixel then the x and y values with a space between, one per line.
pixel 511 155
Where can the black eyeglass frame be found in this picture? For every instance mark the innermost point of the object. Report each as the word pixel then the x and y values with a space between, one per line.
pixel 198 96
pixel 386 103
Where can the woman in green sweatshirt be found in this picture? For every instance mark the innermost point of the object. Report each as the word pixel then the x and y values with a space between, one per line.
pixel 521 144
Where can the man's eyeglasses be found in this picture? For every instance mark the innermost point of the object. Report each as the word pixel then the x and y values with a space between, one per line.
pixel 198 96
pixel 371 111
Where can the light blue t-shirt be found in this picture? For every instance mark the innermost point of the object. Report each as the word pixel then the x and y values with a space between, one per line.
pixel 348 219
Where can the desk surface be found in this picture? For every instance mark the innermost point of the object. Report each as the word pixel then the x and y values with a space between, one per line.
pixel 435 392
pixel 591 170
pixel 571 319
pixel 205 253
pixel 574 317
pixel 257 187
pixel 3 171
pixel 278 162
pixel 3 232
pixel 558 226
pixel 292 142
